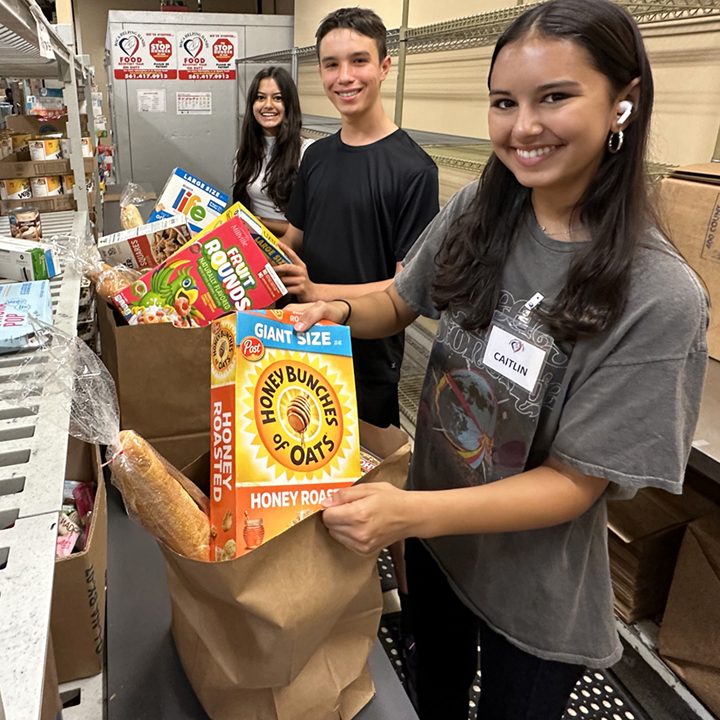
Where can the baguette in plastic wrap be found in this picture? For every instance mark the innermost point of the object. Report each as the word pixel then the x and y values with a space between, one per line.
pixel 158 501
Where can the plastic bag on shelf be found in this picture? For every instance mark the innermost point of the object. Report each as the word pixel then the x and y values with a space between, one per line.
pixel 69 376
pixel 131 196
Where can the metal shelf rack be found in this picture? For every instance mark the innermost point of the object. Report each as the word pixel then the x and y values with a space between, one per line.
pixel 33 441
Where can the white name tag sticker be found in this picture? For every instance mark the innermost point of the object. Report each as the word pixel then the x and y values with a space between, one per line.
pixel 514 358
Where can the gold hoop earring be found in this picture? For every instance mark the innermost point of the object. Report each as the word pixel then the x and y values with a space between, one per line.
pixel 615 141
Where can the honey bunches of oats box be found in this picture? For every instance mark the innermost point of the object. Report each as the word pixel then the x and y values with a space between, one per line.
pixel 284 425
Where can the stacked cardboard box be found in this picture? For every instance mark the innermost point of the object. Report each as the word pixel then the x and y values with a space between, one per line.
pixel 644 539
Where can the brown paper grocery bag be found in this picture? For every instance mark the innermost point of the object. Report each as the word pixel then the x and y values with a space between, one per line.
pixel 283 632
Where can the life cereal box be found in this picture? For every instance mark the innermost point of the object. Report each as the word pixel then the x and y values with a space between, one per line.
pixel 190 197
pixel 220 272
pixel 284 425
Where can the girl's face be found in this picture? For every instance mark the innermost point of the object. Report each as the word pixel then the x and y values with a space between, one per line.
pixel 268 107
pixel 550 114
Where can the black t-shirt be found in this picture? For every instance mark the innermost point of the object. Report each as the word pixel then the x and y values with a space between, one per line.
pixel 361 208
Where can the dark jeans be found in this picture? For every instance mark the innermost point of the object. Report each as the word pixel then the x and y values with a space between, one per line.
pixel 514 684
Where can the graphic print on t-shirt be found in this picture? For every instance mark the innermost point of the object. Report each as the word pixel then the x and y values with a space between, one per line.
pixel 487 422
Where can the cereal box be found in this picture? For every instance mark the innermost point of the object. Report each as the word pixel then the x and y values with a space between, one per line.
pixel 265 240
pixel 186 195
pixel 284 425
pixel 146 246
pixel 220 272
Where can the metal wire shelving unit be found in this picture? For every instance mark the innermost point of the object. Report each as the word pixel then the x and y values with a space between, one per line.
pixel 472 32
pixel 33 441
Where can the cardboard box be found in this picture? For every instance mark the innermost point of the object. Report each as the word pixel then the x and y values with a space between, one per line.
pixel 40 126
pixel 690 209
pixel 145 246
pixel 219 273
pixel 77 620
pixel 643 540
pixel 284 425
pixel 162 375
pixel 690 634
pixel 13 167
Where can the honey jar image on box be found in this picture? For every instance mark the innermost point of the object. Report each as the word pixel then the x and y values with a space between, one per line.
pixel 284 425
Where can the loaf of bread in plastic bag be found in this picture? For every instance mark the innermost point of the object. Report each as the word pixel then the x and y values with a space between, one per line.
pixel 158 501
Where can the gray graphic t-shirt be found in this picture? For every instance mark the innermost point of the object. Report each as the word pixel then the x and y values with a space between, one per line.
pixel 621 406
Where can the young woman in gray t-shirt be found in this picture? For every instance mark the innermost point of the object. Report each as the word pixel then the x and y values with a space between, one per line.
pixel 567 369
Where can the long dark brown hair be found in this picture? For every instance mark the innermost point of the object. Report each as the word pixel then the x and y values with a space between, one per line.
pixel 615 208
pixel 283 164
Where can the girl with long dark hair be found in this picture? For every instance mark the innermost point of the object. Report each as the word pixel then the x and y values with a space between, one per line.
pixel 567 369
pixel 270 147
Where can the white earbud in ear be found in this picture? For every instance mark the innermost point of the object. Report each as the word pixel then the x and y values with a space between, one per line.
pixel 626 107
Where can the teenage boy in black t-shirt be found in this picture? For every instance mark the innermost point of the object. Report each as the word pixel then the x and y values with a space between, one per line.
pixel 361 199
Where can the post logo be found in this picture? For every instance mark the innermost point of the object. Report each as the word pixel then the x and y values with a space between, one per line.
pixel 516 345
pixel 252 349
pixel 193 45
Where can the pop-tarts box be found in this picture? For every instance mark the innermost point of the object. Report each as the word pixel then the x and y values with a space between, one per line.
pixel 184 194
pixel 284 425
pixel 17 302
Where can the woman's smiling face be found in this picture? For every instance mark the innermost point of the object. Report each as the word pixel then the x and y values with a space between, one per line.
pixel 550 113
pixel 268 108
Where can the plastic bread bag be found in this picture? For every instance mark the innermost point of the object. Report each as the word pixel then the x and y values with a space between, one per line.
pixel 131 196
pixel 82 253
pixel 62 371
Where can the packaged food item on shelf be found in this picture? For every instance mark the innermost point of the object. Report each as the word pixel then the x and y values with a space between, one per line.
pixel 24 260
pixel 68 182
pixel 46 147
pixel 18 302
pixel 285 425
pixel 21 141
pixel 221 272
pixel 145 246
pixel 25 223
pixel 46 186
pixel 17 188
pixel 184 194
pixel 87 148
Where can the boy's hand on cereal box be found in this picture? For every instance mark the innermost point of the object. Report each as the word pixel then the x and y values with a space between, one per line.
pixel 367 518
pixel 295 276
pixel 312 313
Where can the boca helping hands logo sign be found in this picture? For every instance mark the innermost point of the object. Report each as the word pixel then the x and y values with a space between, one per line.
pixel 141 55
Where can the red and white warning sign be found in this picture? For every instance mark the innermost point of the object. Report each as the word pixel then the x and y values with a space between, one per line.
pixel 207 56
pixel 141 55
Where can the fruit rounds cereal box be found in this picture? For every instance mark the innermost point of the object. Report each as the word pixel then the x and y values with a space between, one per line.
pixel 284 425
pixel 218 273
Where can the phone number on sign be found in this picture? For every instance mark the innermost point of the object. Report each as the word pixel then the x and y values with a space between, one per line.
pixel 209 75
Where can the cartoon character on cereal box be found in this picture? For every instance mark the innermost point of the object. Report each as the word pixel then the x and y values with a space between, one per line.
pixel 169 299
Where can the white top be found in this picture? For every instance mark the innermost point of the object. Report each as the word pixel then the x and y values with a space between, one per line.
pixel 263 206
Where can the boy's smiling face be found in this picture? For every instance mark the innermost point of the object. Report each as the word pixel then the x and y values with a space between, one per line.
pixel 351 71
